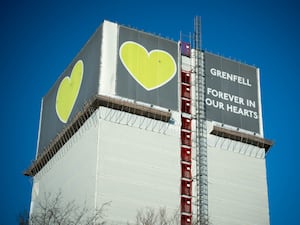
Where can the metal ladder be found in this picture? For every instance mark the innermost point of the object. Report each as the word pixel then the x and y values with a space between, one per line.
pixel 201 129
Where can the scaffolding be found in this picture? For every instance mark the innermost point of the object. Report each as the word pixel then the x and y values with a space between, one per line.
pixel 83 115
pixel 242 137
pixel 193 108
pixel 201 129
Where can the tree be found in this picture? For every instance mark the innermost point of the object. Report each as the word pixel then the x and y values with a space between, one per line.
pixel 52 211
pixel 149 216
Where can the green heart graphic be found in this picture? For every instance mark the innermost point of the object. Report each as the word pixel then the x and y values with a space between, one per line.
pixel 150 69
pixel 68 91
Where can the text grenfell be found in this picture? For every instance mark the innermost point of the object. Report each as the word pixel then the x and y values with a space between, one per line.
pixel 231 77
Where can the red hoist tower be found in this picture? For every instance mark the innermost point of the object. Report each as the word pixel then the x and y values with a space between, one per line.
pixel 186 139
pixel 197 143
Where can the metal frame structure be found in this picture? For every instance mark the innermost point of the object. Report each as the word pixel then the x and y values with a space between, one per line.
pixel 83 115
pixel 186 140
pixel 201 128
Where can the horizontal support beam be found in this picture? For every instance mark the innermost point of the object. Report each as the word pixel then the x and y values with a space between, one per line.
pixel 83 115
pixel 242 137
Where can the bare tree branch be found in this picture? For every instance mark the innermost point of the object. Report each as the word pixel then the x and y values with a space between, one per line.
pixel 53 211
pixel 148 216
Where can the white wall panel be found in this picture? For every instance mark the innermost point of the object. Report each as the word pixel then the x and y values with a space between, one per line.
pixel 131 166
pixel 237 189
pixel 107 82
pixel 72 170
pixel 138 168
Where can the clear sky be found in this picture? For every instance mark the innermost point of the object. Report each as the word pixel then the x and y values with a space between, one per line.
pixel 40 38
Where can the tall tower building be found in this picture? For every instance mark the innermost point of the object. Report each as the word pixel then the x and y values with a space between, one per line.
pixel 142 121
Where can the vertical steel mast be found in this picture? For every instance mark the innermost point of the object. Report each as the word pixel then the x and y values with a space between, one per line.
pixel 201 130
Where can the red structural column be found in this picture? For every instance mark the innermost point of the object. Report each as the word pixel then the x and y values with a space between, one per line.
pixel 186 143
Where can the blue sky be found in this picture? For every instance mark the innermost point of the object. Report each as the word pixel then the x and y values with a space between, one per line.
pixel 40 38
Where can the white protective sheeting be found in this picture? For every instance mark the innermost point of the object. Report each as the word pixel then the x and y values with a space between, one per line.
pixel 130 161
pixel 71 171
pixel 237 183
pixel 138 167
pixel 107 82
